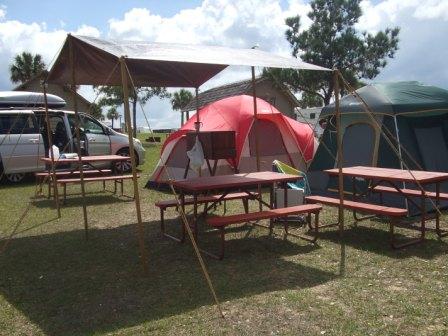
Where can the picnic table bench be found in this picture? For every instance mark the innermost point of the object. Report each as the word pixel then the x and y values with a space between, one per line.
pixel 221 222
pixel 163 205
pixel 118 179
pixel 415 193
pixel 40 176
pixel 381 210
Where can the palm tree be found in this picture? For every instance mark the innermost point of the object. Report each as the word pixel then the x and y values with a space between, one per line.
pixel 26 66
pixel 112 114
pixel 180 99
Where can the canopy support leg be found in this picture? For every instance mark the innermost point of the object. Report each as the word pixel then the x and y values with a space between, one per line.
pixel 340 154
pixel 127 119
pixel 78 140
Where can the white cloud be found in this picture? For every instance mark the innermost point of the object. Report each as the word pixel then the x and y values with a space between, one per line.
pixel 87 31
pixel 222 22
pixel 244 23
pixel 423 25
pixel 2 12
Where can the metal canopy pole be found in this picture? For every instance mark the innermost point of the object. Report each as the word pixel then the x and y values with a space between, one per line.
pixel 50 145
pixel 340 153
pixel 127 120
pixel 78 138
pixel 254 95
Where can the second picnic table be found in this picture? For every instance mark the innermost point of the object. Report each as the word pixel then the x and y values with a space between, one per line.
pixel 395 178
pixel 71 175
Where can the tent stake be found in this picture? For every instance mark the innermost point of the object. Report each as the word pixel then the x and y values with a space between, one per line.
pixel 78 139
pixel 254 95
pixel 127 120
pixel 340 153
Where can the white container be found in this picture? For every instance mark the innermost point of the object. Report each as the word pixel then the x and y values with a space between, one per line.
pixel 55 152
pixel 294 197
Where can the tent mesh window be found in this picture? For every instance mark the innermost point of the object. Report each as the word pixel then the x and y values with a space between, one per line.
pixel 270 141
pixel 178 157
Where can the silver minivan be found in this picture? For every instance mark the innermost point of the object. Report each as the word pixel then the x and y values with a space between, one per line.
pixel 24 140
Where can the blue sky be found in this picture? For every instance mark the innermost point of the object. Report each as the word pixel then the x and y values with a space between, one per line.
pixel 41 26
pixel 94 13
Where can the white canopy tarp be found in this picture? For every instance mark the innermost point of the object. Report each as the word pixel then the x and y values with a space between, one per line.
pixel 157 64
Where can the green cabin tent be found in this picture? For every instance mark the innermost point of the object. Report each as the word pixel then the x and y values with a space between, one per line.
pixel 408 113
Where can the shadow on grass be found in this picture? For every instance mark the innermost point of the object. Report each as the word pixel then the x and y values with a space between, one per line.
pixel 376 240
pixel 92 198
pixel 66 285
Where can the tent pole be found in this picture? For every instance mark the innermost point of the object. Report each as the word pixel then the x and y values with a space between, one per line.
pixel 340 153
pixel 78 138
pixel 400 157
pixel 127 120
pixel 50 145
pixel 198 122
pixel 254 95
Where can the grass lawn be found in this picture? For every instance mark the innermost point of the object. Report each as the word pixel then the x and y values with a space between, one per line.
pixel 54 282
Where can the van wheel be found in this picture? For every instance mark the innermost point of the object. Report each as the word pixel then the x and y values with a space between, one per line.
pixel 15 178
pixel 123 166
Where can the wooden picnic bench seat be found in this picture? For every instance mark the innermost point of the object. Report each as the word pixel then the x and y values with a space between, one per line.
pixel 118 179
pixel 393 213
pixel 163 205
pixel 60 173
pixel 415 193
pixel 220 222
pixel 40 176
pixel 359 206
pixel 409 192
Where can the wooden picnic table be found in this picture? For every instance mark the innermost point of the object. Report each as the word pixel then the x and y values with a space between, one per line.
pixel 249 185
pixel 224 184
pixel 396 178
pixel 88 161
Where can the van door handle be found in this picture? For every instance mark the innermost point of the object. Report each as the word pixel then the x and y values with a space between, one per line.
pixel 33 140
pixel 91 139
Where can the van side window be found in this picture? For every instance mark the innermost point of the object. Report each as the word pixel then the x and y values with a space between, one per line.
pixel 17 124
pixel 91 126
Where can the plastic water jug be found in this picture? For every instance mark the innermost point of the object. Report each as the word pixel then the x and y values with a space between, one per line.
pixel 55 152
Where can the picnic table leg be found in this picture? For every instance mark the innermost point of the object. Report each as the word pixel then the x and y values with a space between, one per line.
pixel 423 222
pixel 422 226
pixel 272 205
pixel 49 187
pixel 182 204
pixel 440 233
pixel 195 216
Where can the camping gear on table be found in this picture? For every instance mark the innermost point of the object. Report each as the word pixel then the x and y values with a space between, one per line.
pixel 280 138
pixel 296 191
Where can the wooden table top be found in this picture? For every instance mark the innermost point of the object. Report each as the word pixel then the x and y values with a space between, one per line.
pixel 390 174
pixel 92 158
pixel 231 181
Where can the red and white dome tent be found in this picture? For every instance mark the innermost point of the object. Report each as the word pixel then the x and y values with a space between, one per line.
pixel 280 138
